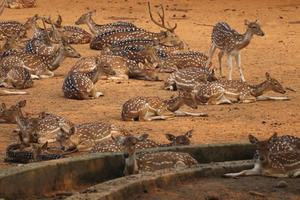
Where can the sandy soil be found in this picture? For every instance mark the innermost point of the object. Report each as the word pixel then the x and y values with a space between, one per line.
pixel 278 53
pixel 246 188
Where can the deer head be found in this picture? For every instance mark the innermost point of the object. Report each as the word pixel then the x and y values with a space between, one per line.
pixel 254 27
pixel 180 139
pixel 38 150
pixel 128 144
pixel 70 51
pixel 273 84
pixel 262 147
pixel 85 17
pixel 168 37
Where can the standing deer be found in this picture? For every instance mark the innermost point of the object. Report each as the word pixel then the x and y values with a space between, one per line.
pixel 97 29
pixel 113 146
pixel 230 42
pixel 279 156
pixel 154 108
pixel 143 162
pixel 229 91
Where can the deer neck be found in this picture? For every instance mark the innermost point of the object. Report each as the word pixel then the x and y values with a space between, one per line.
pixel 245 39
pixel 92 25
pixel 174 104
pixel 131 166
pixel 57 58
pixel 259 89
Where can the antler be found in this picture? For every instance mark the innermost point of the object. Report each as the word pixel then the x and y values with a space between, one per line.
pixel 162 19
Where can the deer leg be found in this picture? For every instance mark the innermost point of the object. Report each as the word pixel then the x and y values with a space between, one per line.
pixel 229 63
pixel 179 113
pixel 249 172
pixel 296 173
pixel 239 64
pixel 210 54
pixel 267 98
pixel 35 77
pixel 220 56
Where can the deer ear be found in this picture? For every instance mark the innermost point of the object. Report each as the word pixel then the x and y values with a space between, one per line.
pixel 246 22
pixel 3 106
pixel 273 138
pixel 21 104
pixel 170 137
pixel 268 76
pixel 252 139
pixel 189 133
pixel 45 146
pixel 143 137
pixel 118 139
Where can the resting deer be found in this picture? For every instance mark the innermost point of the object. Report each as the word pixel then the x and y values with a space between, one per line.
pixel 143 162
pixel 97 29
pixel 72 34
pixel 44 128
pixel 113 146
pixel 279 156
pixel 84 137
pixel 229 91
pixel 79 83
pixel 154 108
pixel 231 42
pixel 189 77
pixel 17 153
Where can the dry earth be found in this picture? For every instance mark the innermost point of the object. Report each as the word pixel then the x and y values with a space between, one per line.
pixel 278 53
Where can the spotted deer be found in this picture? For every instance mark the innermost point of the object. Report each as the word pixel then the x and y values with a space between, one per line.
pixel 84 137
pixel 97 29
pixel 187 78
pixel 230 42
pixel 79 83
pixel 278 156
pixel 17 4
pixel 44 128
pixel 72 34
pixel 150 161
pixel 16 77
pixel 17 153
pixel 113 146
pixel 155 108
pixel 13 28
pixel 229 91
pixel 167 38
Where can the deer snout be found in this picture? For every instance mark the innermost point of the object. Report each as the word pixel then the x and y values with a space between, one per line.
pixel 126 155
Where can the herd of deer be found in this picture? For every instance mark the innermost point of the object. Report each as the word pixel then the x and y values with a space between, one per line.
pixel 127 51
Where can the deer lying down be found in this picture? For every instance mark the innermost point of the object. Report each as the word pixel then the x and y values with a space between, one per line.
pixel 230 91
pixel 143 162
pixel 155 108
pixel 279 156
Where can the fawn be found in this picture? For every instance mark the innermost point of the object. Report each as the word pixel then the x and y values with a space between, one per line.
pixel 143 162
pixel 278 156
pixel 154 108
pixel 230 42
pixel 113 146
pixel 229 91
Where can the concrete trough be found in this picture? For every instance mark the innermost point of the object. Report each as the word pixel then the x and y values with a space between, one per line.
pixel 74 174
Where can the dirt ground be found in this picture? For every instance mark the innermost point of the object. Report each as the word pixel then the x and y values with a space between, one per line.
pixel 277 52
pixel 246 188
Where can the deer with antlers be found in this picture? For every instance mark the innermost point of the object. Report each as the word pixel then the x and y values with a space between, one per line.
pixel 278 156
pixel 230 42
